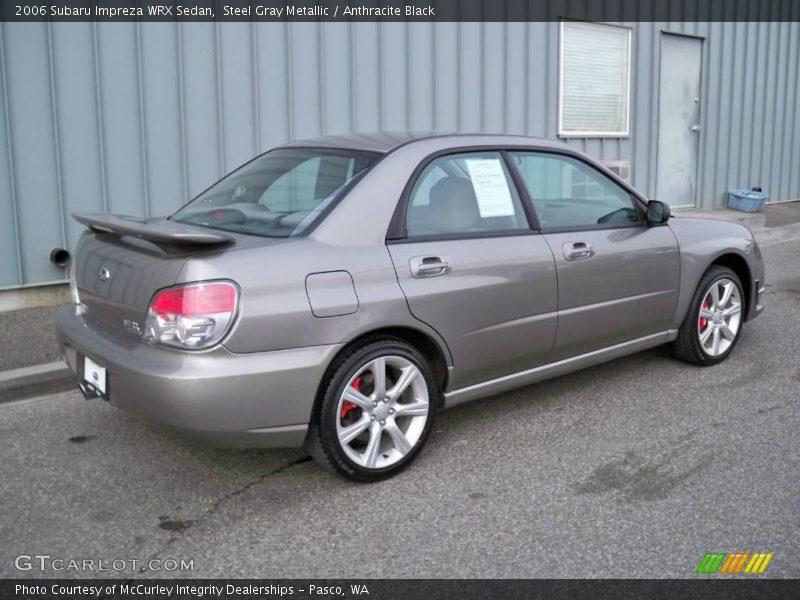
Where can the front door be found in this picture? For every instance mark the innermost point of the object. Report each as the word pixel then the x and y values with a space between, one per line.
pixel 472 268
pixel 678 120
pixel 617 278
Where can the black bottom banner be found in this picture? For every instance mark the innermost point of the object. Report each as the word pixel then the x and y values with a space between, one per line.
pixel 405 589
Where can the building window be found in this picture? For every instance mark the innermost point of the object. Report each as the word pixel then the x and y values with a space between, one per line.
pixel 594 86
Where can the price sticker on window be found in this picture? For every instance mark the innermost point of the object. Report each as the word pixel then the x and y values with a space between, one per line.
pixel 491 187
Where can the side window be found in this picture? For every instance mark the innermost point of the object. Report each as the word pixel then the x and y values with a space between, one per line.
pixel 464 193
pixel 569 193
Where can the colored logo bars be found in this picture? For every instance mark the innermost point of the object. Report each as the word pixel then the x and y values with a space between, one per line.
pixel 734 563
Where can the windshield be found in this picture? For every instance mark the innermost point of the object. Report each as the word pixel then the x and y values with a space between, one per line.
pixel 279 194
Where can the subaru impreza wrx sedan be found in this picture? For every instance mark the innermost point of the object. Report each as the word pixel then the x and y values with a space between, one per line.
pixel 337 292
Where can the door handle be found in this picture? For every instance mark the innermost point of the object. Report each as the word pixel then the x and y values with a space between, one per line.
pixel 428 266
pixel 695 128
pixel 578 250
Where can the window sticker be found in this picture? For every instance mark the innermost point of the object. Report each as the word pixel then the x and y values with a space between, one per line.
pixel 491 187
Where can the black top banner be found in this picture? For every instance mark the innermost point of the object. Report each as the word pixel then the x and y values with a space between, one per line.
pixel 395 10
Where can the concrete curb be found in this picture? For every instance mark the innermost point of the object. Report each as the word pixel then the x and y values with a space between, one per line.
pixel 38 380
pixel 773 235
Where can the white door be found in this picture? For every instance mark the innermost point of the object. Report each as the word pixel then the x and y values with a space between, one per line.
pixel 678 119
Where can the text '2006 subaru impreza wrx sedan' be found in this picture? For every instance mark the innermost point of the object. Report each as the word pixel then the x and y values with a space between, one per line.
pixel 337 292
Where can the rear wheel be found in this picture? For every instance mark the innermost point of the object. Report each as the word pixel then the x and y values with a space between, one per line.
pixel 376 410
pixel 713 324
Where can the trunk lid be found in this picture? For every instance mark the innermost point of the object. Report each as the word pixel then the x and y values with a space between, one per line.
pixel 121 262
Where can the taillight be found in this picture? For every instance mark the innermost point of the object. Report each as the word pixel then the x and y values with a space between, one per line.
pixel 193 316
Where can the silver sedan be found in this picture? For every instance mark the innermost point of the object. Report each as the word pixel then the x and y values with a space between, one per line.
pixel 337 292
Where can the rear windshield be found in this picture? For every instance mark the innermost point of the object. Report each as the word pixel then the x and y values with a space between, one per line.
pixel 279 194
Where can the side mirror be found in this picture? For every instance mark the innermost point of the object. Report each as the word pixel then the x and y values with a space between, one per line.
pixel 658 212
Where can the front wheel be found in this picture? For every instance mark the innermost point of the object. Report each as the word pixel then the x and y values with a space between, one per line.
pixel 713 324
pixel 376 410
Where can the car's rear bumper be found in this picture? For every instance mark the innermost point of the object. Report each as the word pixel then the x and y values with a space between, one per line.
pixel 251 400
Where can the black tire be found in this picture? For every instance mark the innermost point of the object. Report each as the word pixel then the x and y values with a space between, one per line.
pixel 323 442
pixel 687 346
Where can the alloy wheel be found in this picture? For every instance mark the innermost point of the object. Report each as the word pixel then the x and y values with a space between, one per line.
pixel 382 412
pixel 720 317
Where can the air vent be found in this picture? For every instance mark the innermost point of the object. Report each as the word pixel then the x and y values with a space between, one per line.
pixel 620 168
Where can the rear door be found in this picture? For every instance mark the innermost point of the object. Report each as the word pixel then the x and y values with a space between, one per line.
pixel 617 277
pixel 472 268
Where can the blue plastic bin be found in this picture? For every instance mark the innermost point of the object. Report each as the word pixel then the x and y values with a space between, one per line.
pixel 746 200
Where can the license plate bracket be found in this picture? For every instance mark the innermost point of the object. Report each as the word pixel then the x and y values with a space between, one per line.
pixel 95 377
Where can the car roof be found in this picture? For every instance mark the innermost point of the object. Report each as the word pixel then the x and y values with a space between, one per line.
pixel 386 141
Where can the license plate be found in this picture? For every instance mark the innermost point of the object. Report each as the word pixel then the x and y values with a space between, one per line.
pixel 94 374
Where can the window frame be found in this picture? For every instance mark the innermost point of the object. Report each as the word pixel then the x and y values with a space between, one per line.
pixel 397 232
pixel 593 134
pixel 638 202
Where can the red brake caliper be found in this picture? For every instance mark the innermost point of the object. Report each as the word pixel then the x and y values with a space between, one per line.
pixel 348 406
pixel 703 320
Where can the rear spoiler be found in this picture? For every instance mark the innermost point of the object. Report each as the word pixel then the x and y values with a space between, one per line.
pixel 161 231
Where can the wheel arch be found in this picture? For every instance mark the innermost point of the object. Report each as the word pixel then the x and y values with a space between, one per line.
pixel 737 263
pixel 430 349
pixel 433 352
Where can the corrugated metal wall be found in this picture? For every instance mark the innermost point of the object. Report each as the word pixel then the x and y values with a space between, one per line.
pixel 136 118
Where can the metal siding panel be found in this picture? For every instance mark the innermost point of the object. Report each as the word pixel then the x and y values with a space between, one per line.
pixel 746 123
pixel 642 118
pixel 421 76
pixel 759 105
pixel 11 265
pixel 722 145
pixel 791 171
pixel 652 74
pixel 470 69
pixel 779 115
pixel 338 77
pixel 768 115
pixel 494 80
pixel 118 96
pixel 272 87
pixel 143 133
pixel 33 147
pixel 704 199
pixel 366 74
pixel 446 105
pixel 788 130
pixel 516 78
pixel 237 93
pixel 393 80
pixel 305 88
pixel 161 107
pixel 537 90
pixel 200 103
pixel 77 120
pixel 636 116
pixel 551 79
pixel 736 89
